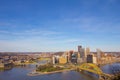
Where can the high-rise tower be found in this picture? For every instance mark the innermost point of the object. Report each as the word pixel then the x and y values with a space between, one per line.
pixel 81 51
pixel 81 54
pixel 87 51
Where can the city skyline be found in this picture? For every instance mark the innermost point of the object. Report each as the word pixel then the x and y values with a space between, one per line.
pixel 59 25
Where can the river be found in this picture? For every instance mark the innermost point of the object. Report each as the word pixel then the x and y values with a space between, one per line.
pixel 20 73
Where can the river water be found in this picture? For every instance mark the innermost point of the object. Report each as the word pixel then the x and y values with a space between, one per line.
pixel 20 73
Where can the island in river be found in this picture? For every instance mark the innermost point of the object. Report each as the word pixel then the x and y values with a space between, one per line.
pixel 49 69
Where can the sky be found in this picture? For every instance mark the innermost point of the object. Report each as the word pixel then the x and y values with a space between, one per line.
pixel 59 25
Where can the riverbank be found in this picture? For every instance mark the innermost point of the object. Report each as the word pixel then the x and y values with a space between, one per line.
pixel 34 73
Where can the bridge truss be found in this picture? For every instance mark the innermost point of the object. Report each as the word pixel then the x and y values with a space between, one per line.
pixel 90 67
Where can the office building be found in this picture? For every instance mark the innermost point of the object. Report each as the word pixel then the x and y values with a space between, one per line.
pixel 81 54
pixel 74 58
pixel 87 52
pixel 70 55
pixel 81 51
pixel 91 59
pixel 55 59
pixel 98 53
pixel 62 60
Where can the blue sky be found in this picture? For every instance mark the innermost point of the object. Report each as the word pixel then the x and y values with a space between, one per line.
pixel 59 25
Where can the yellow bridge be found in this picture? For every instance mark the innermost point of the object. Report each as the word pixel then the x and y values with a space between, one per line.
pixel 90 67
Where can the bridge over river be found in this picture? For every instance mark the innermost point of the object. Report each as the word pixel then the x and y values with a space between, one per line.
pixel 93 68
pixel 20 73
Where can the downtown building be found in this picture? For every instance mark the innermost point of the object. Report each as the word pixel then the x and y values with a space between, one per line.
pixel 82 54
pixel 91 59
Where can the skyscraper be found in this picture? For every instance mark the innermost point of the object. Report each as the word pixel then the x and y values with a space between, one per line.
pixel 81 54
pixel 70 55
pixel 98 53
pixel 99 56
pixel 81 51
pixel 79 48
pixel 91 59
pixel 87 51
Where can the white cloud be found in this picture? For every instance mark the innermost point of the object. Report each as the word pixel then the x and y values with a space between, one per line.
pixel 35 40
pixel 37 44
pixel 28 33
